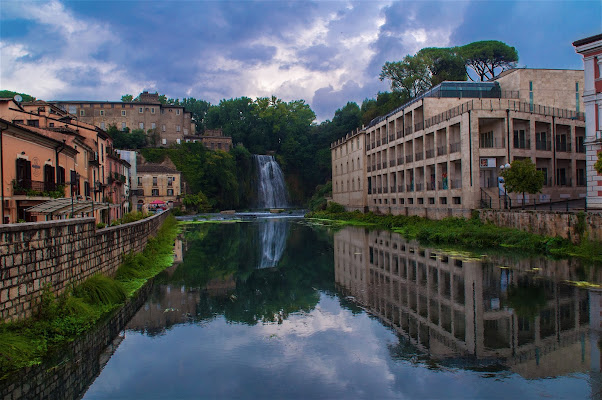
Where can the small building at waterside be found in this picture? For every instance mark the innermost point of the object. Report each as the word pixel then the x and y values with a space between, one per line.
pixel 440 154
pixel 591 50
pixel 158 186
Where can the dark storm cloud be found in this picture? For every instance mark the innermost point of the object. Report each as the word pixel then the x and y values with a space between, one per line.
pixel 319 58
pixel 326 100
pixel 252 54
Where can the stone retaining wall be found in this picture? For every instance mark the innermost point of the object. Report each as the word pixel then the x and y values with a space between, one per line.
pixel 61 253
pixel 549 223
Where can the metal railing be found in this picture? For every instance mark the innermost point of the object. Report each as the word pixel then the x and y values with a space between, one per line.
pixel 418 126
pixel 563 146
pixel 419 187
pixel 430 153
pixel 408 130
pixel 399 134
pixel 392 163
pixel 544 145
pixel 400 189
pixel 493 143
pixel 485 199
pixel 409 188
pixel 522 144
pixel 393 189
pixel 419 155
pixel 454 147
pixel 400 160
pixel 441 150
pixel 409 158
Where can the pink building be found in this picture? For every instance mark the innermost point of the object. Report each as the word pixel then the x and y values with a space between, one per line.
pixel 591 50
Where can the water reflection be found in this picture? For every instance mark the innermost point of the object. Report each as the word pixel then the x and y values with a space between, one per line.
pixel 468 312
pixel 272 234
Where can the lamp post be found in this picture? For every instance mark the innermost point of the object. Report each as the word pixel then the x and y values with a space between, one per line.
pixel 501 181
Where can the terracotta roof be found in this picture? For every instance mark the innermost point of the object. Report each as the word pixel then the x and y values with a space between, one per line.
pixel 156 168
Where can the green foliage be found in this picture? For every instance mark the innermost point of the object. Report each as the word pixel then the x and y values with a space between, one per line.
pixel 196 202
pixel 335 208
pixel 409 76
pixel 385 102
pixel 125 139
pixel 11 94
pixel 486 56
pixel 101 225
pixel 523 176
pixel 318 200
pixel 527 299
pixel 100 290
pixel 127 98
pixel 467 233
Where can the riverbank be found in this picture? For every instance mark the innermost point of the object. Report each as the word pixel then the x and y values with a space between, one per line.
pixel 60 319
pixel 468 233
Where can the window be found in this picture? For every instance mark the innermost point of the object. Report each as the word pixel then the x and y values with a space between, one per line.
pixel 486 140
pixel 177 128
pixel 51 124
pixel 123 126
pixel 545 175
pixel 163 127
pixel 152 110
pixel 82 113
pixel 154 181
pixel 561 177
pixel 170 180
pixel 33 122
pixel 102 106
pixel 541 141
pixel 178 141
pixel 170 192
pixel 139 180
pixel 102 126
pixel 122 106
pixel 185 131
pixel 17 121
pixel 155 192
pixel 153 125
pixel 520 139
pixel 141 125
pixel 562 143
pixel 164 141
pixel 123 113
pixel 162 111
pixel 102 112
pixel 72 110
pixel 178 112
pixel 140 110
pixel 112 105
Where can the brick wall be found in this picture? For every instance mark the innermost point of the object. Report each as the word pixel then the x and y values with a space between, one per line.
pixel 61 253
pixel 547 223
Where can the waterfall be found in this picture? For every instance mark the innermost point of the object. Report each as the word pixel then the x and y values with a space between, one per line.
pixel 272 236
pixel 271 191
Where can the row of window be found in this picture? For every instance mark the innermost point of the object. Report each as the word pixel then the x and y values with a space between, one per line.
pixel 141 110
pixel 155 192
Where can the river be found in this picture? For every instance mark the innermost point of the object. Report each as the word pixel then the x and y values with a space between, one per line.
pixel 281 308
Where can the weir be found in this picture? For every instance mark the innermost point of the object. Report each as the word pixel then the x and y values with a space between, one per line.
pixel 271 190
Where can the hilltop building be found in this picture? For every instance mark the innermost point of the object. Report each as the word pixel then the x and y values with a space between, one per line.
pixel 591 50
pixel 440 153
pixel 214 139
pixel 165 124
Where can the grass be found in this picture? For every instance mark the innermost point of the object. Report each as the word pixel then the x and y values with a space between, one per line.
pixel 467 233
pixel 60 319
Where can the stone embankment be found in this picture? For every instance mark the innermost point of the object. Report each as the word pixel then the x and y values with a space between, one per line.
pixel 574 226
pixel 61 253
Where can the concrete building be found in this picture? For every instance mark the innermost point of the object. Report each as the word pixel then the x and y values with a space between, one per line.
pixel 591 50
pixel 165 124
pixel 440 154
pixel 157 183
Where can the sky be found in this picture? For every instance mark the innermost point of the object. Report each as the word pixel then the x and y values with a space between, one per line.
pixel 324 52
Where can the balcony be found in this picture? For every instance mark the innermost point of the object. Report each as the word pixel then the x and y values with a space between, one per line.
pixel 419 187
pixel 580 148
pixel 409 158
pixel 409 188
pixel 29 187
pixel 385 190
pixel 456 184
pixel 400 161
pixel 418 126
pixel 373 144
pixel 378 166
pixel 369 168
pixel 380 190
pixel 400 189
pixel 399 134
pixel 430 186
pixel 563 146
pixel 384 164
pixel 392 163
pixel 522 144
pixel 392 189
pixel 454 147
pixel 408 130
pixel 430 153
pixel 441 150
pixel 377 143
pixel 391 137
pixel 419 155
pixel 492 143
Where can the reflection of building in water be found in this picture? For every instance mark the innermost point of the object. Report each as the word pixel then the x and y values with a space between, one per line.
pixel 272 236
pixel 167 306
pixel 450 307
pixel 178 250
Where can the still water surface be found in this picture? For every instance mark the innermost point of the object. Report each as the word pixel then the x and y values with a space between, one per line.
pixel 280 309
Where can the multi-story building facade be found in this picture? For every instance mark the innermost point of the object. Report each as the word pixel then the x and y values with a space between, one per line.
pixel 591 50
pixel 440 154
pixel 91 175
pixel 157 183
pixel 348 171
pixel 165 124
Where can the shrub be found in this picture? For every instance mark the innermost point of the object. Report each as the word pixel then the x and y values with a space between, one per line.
pixel 335 208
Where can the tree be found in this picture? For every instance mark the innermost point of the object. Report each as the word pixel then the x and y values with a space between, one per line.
pixel 523 177
pixel 409 76
pixel 444 64
pixel 127 98
pixel 487 56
